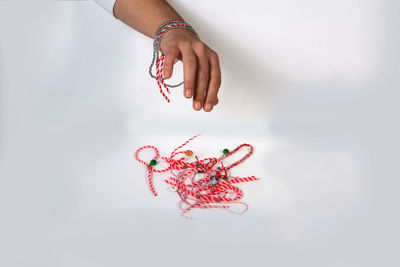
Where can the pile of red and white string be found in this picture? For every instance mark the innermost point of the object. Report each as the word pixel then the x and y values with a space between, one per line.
pixel 200 183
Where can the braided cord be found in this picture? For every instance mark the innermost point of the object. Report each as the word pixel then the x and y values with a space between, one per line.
pixel 158 57
pixel 201 183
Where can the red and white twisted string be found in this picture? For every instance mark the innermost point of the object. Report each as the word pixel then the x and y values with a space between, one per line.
pixel 159 58
pixel 192 179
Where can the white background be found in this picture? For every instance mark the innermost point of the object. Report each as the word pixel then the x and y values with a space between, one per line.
pixel 313 85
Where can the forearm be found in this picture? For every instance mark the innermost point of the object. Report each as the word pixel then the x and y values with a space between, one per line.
pixel 201 70
pixel 145 15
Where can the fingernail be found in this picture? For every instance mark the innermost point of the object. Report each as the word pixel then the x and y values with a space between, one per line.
pixel 188 93
pixel 197 105
pixel 207 107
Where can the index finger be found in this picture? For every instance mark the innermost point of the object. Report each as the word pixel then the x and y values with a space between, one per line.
pixel 189 71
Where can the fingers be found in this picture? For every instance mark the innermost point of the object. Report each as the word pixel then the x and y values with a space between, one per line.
pixel 202 76
pixel 214 83
pixel 170 56
pixel 189 71
pixel 201 71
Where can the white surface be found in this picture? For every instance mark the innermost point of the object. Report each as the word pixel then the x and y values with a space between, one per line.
pixel 107 5
pixel 312 84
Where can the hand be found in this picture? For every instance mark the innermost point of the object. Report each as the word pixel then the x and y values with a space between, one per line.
pixel 202 73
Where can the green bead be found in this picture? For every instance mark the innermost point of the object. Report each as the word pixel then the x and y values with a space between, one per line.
pixel 153 162
pixel 226 151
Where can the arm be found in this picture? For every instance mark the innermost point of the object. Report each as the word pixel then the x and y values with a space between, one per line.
pixel 202 74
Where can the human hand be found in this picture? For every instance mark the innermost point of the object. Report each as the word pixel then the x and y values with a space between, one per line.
pixel 201 69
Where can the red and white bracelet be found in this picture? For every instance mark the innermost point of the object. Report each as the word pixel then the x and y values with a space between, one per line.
pixel 200 183
pixel 158 57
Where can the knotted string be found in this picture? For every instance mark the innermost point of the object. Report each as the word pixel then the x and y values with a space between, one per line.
pixel 200 183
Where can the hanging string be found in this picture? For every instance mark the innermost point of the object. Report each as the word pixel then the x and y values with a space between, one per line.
pixel 159 58
pixel 200 183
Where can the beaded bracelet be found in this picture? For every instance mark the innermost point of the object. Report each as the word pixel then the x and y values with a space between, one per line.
pixel 200 183
pixel 158 57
